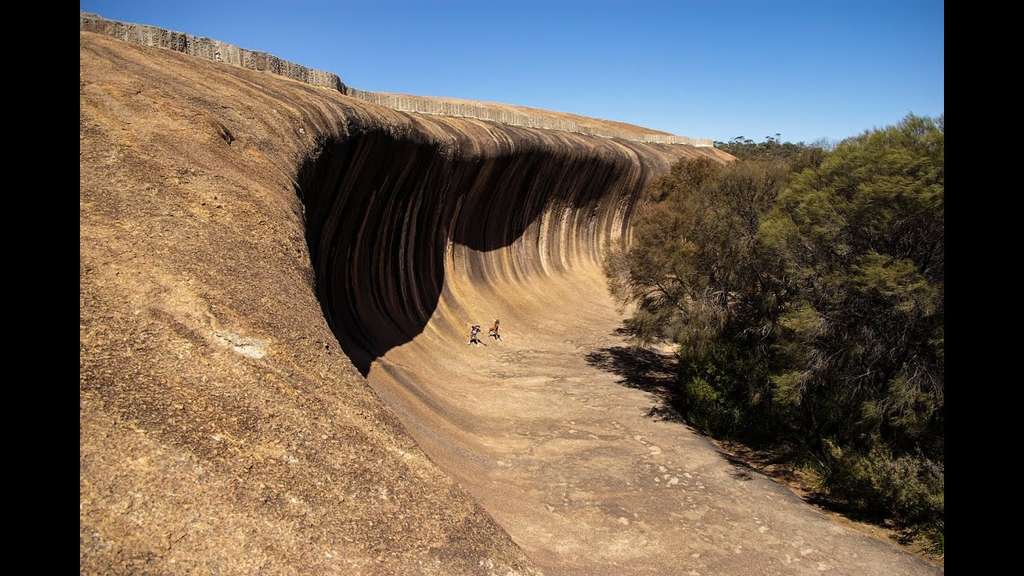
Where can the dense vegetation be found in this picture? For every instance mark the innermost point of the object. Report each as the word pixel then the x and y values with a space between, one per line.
pixel 804 288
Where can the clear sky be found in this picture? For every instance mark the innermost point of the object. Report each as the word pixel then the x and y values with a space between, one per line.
pixel 712 69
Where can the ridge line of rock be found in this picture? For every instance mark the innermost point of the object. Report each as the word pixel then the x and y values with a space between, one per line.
pixel 217 51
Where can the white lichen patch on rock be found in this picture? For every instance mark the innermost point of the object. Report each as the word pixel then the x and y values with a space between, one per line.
pixel 251 347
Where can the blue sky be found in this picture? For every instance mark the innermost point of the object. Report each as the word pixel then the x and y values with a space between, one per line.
pixel 713 69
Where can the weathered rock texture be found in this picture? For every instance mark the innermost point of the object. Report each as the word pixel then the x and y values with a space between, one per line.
pixel 392 219
pixel 221 427
pixel 236 226
pixel 217 51
pixel 222 430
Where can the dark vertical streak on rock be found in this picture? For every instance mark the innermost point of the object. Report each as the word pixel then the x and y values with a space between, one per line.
pixel 384 210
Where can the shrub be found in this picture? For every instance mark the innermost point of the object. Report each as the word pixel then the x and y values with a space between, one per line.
pixel 805 291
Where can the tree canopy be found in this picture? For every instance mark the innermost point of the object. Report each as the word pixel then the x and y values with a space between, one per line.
pixel 804 288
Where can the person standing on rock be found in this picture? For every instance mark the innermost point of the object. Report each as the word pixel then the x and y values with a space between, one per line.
pixel 493 332
pixel 474 335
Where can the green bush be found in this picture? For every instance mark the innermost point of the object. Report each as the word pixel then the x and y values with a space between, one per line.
pixel 804 288
pixel 907 490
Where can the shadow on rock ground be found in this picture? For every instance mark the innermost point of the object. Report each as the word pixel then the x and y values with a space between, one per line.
pixel 654 371
pixel 643 369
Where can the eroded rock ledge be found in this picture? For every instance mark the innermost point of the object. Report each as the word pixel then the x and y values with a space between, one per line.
pixel 222 430
pixel 230 219
pixel 391 219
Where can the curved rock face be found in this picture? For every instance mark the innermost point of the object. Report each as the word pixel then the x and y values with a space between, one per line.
pixel 235 225
pixel 391 219
pixel 221 430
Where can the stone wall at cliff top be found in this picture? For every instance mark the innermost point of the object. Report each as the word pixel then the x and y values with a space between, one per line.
pixel 207 48
pixel 217 51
